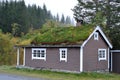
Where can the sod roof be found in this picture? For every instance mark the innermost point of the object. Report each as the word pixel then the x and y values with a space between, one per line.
pixel 63 35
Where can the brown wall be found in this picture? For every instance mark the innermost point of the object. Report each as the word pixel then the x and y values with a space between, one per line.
pixel 53 59
pixel 90 53
pixel 116 62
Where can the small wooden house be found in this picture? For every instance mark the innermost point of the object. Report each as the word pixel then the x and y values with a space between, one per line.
pixel 90 54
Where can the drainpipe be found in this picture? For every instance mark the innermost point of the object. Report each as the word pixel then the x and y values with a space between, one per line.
pixel 81 59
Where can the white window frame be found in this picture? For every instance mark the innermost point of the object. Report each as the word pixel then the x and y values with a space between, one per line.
pixel 40 49
pixel 105 54
pixel 96 36
pixel 61 58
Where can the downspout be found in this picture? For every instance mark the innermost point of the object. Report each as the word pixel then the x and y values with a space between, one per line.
pixel 81 59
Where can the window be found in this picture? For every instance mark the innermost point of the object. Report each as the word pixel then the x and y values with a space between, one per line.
pixel 63 54
pixel 96 36
pixel 101 54
pixel 39 53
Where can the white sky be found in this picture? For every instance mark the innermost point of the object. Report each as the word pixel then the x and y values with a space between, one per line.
pixel 56 6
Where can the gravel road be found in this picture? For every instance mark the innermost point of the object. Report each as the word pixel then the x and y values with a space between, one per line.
pixel 4 76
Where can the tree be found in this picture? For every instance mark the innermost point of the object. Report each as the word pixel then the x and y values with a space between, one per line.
pixel 68 20
pixel 13 11
pixel 101 12
pixel 86 10
pixel 62 19
pixel 15 29
pixel 57 17
pixel 113 23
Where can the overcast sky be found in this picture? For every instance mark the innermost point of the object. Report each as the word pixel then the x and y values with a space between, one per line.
pixel 56 6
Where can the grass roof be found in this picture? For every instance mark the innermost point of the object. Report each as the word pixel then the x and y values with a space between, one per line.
pixel 62 35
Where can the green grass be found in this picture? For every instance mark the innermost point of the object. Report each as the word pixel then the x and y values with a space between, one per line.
pixel 52 75
pixel 58 35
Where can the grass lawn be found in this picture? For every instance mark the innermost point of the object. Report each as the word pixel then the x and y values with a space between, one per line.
pixel 59 75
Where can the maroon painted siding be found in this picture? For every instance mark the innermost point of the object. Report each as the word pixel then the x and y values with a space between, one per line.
pixel 116 62
pixel 53 59
pixel 90 55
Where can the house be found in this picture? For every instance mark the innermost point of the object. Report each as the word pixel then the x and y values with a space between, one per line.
pixel 90 54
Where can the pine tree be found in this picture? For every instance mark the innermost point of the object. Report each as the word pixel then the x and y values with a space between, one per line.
pixel 57 17
pixel 13 11
pixel 68 20
pixel 62 19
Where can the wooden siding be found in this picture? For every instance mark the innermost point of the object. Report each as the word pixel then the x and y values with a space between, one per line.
pixel 53 60
pixel 116 62
pixel 90 55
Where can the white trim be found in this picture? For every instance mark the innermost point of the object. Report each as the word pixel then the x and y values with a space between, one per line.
pixel 108 58
pixel 101 32
pixel 101 49
pixel 115 51
pixel 111 61
pixel 81 59
pixel 24 57
pixel 44 58
pixel 18 56
pixel 60 51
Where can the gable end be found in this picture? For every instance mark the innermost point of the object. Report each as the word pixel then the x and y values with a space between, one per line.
pixel 102 34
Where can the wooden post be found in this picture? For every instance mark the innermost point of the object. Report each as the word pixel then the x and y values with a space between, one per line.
pixel 18 54
pixel 24 58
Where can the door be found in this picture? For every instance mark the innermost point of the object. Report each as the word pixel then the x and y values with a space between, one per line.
pixel 116 62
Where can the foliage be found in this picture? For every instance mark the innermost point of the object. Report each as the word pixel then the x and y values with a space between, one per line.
pixel 16 13
pixel 86 10
pixel 7 55
pixel 31 36
pixel 105 13
pixel 15 29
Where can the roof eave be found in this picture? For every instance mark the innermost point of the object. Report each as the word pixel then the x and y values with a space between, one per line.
pixel 47 46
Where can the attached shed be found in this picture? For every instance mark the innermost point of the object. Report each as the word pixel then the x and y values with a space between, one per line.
pixel 115 61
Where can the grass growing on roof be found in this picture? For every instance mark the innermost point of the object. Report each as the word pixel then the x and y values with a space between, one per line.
pixel 63 35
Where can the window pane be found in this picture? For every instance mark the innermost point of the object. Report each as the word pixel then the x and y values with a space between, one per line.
pixel 38 51
pixel 34 54
pixel 42 51
pixel 38 54
pixel 63 54
pixel 42 55
pixel 34 51
pixel 103 55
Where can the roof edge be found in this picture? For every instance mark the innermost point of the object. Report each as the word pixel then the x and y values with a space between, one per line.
pixel 47 46
pixel 114 50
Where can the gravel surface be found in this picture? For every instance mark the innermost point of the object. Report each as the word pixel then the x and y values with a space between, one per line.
pixel 16 77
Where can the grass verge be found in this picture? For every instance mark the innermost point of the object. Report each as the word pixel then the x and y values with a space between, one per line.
pixel 53 75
